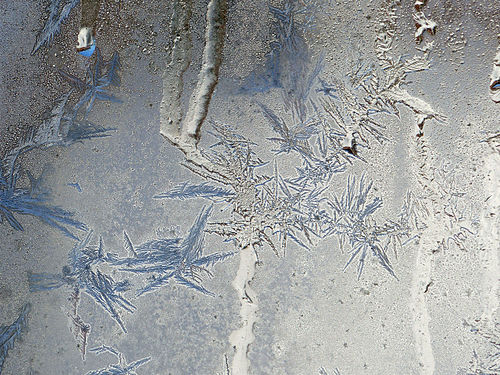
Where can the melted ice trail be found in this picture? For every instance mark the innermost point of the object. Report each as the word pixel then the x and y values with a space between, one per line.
pixel 209 73
pixel 422 275
pixel 421 280
pixel 394 94
pixel 186 132
pixel 243 337
pixel 490 232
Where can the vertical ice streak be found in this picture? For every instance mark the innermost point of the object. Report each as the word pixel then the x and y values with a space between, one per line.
pixel 420 282
pixel 180 59
pixel 490 231
pixel 209 73
pixel 395 94
pixel 422 274
pixel 243 337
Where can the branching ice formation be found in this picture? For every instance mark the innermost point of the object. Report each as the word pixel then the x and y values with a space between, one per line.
pixel 61 127
pixel 173 259
pixel 270 209
pixel 288 59
pixel 102 75
pixel 489 362
pixel 120 368
pixel 59 10
pixel 82 274
pixel 9 334
pixel 53 131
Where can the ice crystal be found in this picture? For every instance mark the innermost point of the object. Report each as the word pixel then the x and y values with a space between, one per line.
pixel 22 201
pixel 290 138
pixel 203 190
pixel 120 368
pixel 325 123
pixel 354 225
pixel 98 78
pixel 322 371
pixel 177 260
pixel 8 334
pixel 59 10
pixel 287 63
pixel 55 130
pixel 82 274
pixel 488 363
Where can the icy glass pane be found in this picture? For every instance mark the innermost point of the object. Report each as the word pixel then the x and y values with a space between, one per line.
pixel 249 187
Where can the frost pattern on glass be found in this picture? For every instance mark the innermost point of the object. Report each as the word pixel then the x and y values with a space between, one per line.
pixel 61 127
pixel 97 79
pixel 9 334
pixel 389 89
pixel 176 260
pixel 327 126
pixel 485 362
pixel 59 11
pixel 322 371
pixel 120 368
pixel 82 274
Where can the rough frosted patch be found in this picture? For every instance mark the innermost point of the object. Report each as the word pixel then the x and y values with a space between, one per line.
pixel 419 4
pixel 396 70
pixel 423 24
